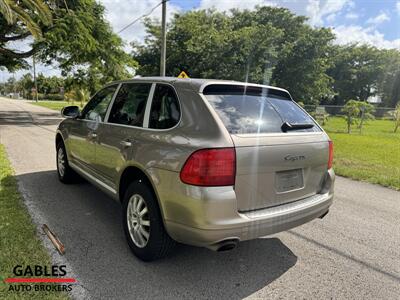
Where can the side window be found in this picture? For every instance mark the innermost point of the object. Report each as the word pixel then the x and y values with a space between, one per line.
pixel 165 111
pixel 129 104
pixel 96 109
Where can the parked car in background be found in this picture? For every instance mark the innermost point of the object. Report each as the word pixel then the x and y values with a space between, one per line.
pixel 208 163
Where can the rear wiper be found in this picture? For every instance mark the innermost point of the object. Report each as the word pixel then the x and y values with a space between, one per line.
pixel 297 126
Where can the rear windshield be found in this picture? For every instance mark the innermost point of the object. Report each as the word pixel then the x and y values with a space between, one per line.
pixel 255 110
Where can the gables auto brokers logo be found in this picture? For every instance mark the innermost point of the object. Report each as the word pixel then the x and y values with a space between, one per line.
pixel 40 278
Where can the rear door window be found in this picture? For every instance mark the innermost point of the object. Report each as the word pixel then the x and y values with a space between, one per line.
pixel 165 111
pixel 129 104
pixel 255 110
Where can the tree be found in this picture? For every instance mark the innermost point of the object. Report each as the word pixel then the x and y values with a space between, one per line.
pixel 49 85
pixel 302 68
pixel 366 110
pixel 396 117
pixel 80 95
pixel 389 79
pixel 10 86
pixel 197 39
pixel 18 21
pixel 268 45
pixel 25 85
pixel 79 38
pixel 356 72
pixel 28 12
pixel 352 111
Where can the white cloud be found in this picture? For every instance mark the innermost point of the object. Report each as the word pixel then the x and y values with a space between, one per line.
pixel 318 9
pixel 319 12
pixel 226 5
pixel 331 18
pixel 361 35
pixel 398 7
pixel 351 16
pixel 351 5
pixel 122 12
pixel 382 17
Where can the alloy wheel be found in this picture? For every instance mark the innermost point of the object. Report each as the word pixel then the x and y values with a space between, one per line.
pixel 138 220
pixel 61 161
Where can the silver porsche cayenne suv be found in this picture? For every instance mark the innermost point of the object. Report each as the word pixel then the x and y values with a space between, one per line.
pixel 203 162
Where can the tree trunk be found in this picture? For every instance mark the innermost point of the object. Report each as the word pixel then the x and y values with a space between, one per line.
pixel 362 118
pixel 348 123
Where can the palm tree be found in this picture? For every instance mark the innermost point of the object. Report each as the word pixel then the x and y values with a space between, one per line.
pixel 82 95
pixel 24 12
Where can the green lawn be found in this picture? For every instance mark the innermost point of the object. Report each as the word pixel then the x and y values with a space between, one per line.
pixel 372 156
pixel 55 105
pixel 19 244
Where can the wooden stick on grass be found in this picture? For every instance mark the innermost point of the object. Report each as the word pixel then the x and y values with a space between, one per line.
pixel 53 238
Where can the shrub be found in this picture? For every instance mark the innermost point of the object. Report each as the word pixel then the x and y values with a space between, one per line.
pixel 356 112
pixel 53 97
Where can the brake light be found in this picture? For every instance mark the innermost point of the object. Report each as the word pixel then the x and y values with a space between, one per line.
pixel 210 167
pixel 330 159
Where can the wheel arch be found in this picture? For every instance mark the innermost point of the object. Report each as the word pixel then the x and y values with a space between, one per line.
pixel 59 138
pixel 132 173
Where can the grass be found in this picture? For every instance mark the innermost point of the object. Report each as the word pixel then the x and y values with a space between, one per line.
pixel 55 105
pixel 19 243
pixel 372 156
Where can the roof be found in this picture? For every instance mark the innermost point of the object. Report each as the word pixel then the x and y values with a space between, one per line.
pixel 196 84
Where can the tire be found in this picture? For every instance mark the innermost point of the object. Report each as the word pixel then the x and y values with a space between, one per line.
pixel 65 173
pixel 155 243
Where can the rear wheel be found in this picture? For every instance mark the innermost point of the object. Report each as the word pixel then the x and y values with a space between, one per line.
pixel 65 173
pixel 143 225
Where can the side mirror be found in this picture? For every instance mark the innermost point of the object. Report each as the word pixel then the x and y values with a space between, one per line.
pixel 70 112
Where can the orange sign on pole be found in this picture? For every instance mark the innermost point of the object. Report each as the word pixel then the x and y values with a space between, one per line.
pixel 183 75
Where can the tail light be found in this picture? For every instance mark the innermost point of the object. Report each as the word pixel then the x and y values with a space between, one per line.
pixel 210 167
pixel 330 159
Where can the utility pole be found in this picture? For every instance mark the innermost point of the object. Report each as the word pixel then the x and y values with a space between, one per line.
pixel 34 78
pixel 163 37
pixel 14 86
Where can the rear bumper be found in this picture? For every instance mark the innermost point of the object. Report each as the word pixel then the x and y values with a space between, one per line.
pixel 256 224
pixel 206 216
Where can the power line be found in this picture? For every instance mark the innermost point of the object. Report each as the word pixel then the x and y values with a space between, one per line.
pixel 141 17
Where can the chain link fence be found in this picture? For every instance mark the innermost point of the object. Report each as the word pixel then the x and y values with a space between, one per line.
pixel 336 110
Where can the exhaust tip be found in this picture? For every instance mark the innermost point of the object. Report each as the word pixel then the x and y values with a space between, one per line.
pixel 227 245
pixel 324 214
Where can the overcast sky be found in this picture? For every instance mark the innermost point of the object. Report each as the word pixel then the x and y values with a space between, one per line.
pixel 375 22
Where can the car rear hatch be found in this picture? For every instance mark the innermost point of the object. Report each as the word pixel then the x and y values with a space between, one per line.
pixel 281 153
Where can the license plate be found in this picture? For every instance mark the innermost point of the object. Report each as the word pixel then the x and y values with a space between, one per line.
pixel 289 180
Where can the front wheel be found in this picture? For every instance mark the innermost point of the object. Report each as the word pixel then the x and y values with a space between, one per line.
pixel 143 225
pixel 64 171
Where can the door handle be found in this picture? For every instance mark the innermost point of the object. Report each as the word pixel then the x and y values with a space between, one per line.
pixel 126 143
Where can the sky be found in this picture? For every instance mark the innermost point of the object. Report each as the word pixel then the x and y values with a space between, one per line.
pixel 373 22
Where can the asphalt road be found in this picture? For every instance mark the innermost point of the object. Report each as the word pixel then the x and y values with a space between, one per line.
pixel 354 252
